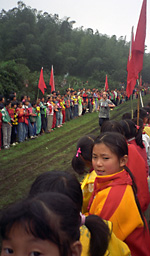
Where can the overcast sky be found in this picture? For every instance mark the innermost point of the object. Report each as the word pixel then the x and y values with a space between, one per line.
pixel 111 17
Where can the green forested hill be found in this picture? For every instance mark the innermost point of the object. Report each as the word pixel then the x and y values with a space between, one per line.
pixel 21 164
pixel 30 39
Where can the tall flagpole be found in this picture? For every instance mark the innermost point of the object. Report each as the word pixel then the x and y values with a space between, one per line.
pixel 138 102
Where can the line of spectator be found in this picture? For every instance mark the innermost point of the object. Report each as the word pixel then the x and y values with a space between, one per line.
pixel 23 120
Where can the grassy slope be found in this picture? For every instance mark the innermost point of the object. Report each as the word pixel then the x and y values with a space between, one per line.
pixel 20 165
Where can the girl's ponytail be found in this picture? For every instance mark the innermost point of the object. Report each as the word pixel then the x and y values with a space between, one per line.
pixel 82 160
pixel 78 164
pixel 100 235
pixel 134 187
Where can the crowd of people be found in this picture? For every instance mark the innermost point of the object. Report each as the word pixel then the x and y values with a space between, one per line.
pixel 22 119
pixel 104 215
pixel 108 213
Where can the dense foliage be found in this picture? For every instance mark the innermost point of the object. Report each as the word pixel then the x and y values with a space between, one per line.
pixel 30 39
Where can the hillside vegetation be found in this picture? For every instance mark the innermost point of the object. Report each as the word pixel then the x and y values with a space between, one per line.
pixel 31 39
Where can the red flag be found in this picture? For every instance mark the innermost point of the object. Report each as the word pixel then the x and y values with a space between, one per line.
pixel 135 61
pixel 42 84
pixel 139 44
pixel 51 82
pixel 106 84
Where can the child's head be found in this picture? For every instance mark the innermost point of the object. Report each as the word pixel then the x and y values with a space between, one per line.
pixel 14 105
pixel 34 104
pixel 143 114
pixel 67 184
pixel 112 126
pixel 58 181
pixel 126 115
pixel 8 104
pixel 110 153
pixel 20 104
pixel 44 225
pixel 82 160
pixel 131 130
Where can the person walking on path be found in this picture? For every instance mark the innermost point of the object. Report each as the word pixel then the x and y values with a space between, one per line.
pixel 104 108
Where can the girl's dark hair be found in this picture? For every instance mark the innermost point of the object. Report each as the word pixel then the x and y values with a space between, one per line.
pixel 126 115
pixel 130 131
pixel 118 145
pixel 85 144
pixel 142 113
pixel 140 123
pixel 58 181
pixel 115 141
pixel 134 188
pixel 67 183
pixel 112 126
pixel 49 216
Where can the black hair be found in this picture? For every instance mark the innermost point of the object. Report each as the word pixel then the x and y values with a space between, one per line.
pixel 112 126
pixel 117 144
pixel 84 145
pixel 67 183
pixel 33 103
pixel 126 115
pixel 49 216
pixel 115 141
pixel 147 109
pixel 1 97
pixel 22 97
pixel 130 131
pixel 140 123
pixel 13 103
pixel 7 102
pixel 142 113
pixel 58 181
pixel 11 96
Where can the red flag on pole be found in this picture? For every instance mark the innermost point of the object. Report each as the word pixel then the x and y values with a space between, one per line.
pixel 42 84
pixel 51 82
pixel 139 44
pixel 135 64
pixel 106 84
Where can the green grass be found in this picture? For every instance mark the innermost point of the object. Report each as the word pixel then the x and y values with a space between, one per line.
pixel 21 164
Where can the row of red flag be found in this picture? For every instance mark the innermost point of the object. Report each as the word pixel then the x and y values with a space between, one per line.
pixel 135 59
pixel 42 86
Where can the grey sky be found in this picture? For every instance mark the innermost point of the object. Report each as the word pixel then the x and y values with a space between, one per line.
pixel 111 17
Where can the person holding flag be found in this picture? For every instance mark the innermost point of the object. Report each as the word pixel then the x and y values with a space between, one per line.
pixel 104 106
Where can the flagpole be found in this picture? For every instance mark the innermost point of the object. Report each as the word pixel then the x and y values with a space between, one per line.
pixel 138 103
pixel 131 101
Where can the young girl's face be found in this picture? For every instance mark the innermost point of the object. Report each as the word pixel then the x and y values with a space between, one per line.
pixel 21 243
pixel 105 162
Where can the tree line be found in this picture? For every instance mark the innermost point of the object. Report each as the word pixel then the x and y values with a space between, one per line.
pixel 30 39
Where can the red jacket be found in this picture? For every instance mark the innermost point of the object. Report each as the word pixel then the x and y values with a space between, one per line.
pixel 136 164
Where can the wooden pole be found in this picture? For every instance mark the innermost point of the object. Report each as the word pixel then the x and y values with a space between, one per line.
pixel 138 102
pixel 131 101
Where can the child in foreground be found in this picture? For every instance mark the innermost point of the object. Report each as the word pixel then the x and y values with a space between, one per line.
pixel 96 235
pixel 114 197
pixel 44 225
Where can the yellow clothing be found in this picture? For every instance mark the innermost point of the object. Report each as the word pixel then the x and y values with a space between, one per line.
pixel 115 247
pixel 87 187
pixel 147 130
pixel 126 217
pixel 62 104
